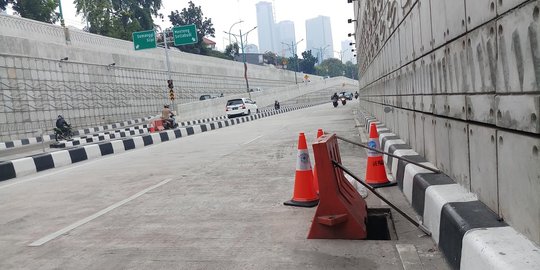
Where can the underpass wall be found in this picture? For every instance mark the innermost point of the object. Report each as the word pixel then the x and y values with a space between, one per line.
pixel 35 86
pixel 459 81
pixel 313 92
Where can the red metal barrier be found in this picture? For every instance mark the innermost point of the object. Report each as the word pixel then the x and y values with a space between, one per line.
pixel 158 125
pixel 342 212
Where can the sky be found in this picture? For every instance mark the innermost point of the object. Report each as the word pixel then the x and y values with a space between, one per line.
pixel 224 13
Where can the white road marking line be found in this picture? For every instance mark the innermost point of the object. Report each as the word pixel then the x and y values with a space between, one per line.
pixel 409 257
pixel 83 221
pixel 253 140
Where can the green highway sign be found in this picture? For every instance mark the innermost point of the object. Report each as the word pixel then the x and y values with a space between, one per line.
pixel 144 40
pixel 185 34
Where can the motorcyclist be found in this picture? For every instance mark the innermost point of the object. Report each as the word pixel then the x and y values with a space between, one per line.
pixel 276 105
pixel 166 115
pixel 356 95
pixel 334 97
pixel 62 124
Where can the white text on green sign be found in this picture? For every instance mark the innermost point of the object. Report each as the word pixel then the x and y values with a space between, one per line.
pixel 144 40
pixel 186 34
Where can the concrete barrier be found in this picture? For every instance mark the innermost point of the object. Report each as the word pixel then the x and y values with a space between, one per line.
pixel 30 165
pixel 469 233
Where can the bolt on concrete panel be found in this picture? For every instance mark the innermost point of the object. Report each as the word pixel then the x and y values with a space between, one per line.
pixel 519 182
pixel 483 164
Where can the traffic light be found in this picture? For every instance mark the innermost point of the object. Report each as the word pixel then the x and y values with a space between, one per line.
pixel 171 94
pixel 170 84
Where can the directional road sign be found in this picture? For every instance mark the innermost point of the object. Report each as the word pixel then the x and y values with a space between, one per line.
pixel 185 34
pixel 144 40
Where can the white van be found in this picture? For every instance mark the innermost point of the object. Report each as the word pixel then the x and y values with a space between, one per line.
pixel 240 106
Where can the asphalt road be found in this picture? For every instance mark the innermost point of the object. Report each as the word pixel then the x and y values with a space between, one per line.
pixel 209 201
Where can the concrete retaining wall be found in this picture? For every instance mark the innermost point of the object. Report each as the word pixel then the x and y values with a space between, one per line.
pixel 35 86
pixel 466 230
pixel 461 84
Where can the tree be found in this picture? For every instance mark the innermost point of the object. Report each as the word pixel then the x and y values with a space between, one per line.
pixel 351 70
pixel 232 50
pixel 331 67
pixel 39 10
pixel 118 18
pixel 3 4
pixel 270 58
pixel 307 64
pixel 194 15
pixel 218 54
pixel 291 63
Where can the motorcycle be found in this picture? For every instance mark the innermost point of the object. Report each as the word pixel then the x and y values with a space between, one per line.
pixel 170 123
pixel 335 101
pixel 63 134
pixel 343 100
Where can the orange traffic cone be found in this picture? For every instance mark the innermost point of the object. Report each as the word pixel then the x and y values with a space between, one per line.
pixel 375 172
pixel 315 178
pixel 304 193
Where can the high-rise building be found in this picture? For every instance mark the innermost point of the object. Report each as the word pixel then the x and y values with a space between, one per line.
pixel 266 27
pixel 286 32
pixel 346 53
pixel 319 37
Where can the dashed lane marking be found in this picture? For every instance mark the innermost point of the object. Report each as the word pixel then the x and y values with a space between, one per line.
pixel 83 221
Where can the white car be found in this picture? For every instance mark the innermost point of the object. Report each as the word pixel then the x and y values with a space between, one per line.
pixel 241 106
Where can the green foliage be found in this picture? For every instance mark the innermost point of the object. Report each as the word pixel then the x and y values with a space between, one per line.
pixel 118 18
pixel 232 50
pixel 3 4
pixel 307 64
pixel 219 54
pixel 331 67
pixel 194 15
pixel 351 70
pixel 291 63
pixel 270 58
pixel 39 10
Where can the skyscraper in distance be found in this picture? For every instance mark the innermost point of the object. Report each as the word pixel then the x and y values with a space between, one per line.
pixel 319 37
pixel 266 27
pixel 286 33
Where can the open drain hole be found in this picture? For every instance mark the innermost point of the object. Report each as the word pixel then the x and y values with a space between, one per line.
pixel 380 224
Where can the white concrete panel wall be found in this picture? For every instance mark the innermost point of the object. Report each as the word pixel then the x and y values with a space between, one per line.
pixel 469 71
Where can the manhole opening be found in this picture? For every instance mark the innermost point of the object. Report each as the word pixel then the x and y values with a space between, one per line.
pixel 380 224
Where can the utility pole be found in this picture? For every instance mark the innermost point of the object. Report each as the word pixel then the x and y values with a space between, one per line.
pixel 321 53
pixel 230 29
pixel 340 55
pixel 293 47
pixel 243 53
pixel 63 23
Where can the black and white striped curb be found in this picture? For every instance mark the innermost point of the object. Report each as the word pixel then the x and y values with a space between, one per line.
pixel 50 137
pixel 470 235
pixel 30 165
pixel 128 132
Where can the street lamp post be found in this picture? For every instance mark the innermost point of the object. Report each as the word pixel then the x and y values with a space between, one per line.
pixel 293 48
pixel 322 51
pixel 243 53
pixel 230 29
pixel 340 55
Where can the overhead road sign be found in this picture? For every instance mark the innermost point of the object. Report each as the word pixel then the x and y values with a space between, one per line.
pixel 144 40
pixel 185 34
